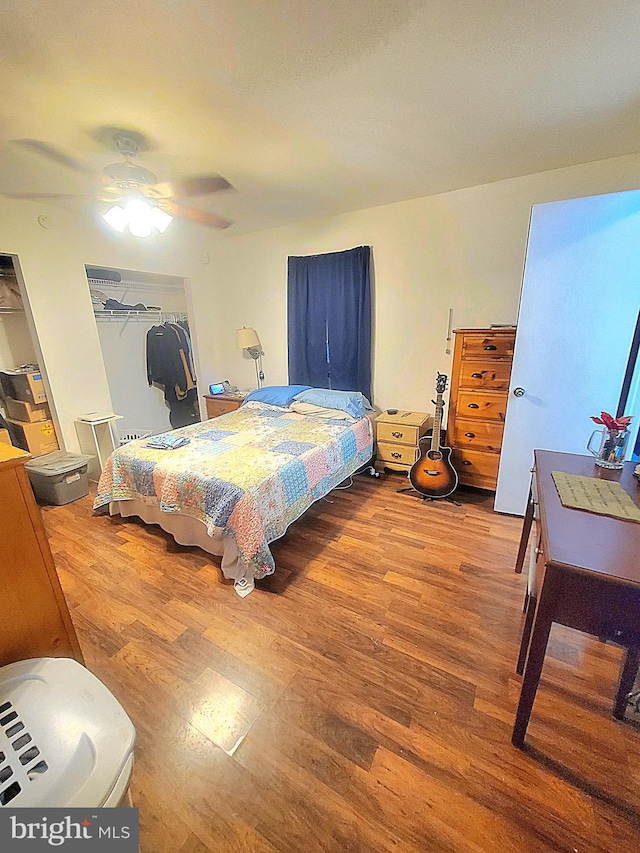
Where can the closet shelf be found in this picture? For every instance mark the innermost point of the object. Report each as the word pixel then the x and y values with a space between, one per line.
pixel 127 284
pixel 147 316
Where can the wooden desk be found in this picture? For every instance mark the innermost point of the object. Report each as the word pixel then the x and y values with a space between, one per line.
pixel 588 575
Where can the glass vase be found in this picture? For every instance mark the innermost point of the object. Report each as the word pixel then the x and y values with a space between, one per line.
pixel 613 446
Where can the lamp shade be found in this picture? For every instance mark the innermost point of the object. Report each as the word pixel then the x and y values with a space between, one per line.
pixel 247 338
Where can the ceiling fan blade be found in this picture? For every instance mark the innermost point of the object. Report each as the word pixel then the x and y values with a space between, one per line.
pixel 45 195
pixel 195 186
pixel 55 154
pixel 202 217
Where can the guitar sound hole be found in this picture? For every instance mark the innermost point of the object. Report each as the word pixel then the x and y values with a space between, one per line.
pixel 434 455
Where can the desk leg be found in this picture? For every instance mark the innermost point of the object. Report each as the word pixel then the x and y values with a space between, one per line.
pixel 533 668
pixel 628 673
pixel 530 611
pixel 526 530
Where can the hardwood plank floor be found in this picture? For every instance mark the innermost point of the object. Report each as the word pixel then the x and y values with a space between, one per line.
pixel 361 699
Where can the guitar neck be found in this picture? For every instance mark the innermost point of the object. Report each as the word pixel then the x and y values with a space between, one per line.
pixel 437 421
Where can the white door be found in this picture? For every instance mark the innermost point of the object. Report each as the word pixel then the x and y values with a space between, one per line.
pixel 578 310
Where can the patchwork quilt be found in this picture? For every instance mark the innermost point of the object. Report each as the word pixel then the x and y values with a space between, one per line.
pixel 250 473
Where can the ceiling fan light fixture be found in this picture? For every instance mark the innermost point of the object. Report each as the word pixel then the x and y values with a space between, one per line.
pixel 116 217
pixel 160 219
pixel 138 216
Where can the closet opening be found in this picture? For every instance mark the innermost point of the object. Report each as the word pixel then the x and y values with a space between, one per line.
pixel 144 333
pixel 26 413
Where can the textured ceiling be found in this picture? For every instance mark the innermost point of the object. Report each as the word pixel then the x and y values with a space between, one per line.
pixel 312 108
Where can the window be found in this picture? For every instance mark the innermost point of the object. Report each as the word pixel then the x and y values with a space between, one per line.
pixel 329 320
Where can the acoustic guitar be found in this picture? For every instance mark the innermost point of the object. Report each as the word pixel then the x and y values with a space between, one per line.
pixel 432 474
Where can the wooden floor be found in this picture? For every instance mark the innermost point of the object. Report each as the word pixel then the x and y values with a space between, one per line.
pixel 361 699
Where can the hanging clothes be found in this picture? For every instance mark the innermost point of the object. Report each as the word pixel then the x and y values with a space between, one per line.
pixel 170 365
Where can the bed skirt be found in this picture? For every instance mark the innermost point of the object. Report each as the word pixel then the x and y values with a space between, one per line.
pixel 190 531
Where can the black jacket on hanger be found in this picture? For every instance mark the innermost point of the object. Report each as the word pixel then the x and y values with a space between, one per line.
pixel 170 365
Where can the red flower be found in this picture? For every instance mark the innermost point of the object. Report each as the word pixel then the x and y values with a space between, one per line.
pixel 613 423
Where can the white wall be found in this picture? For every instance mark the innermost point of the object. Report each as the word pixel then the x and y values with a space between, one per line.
pixel 53 262
pixel 463 249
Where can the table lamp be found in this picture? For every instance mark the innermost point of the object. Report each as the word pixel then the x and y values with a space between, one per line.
pixel 247 338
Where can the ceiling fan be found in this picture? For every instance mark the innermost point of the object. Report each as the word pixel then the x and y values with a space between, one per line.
pixel 139 201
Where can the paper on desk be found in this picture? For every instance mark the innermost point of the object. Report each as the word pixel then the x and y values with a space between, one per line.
pixel 604 497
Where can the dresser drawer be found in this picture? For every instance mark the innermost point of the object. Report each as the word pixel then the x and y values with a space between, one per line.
pixel 481 435
pixel 397 454
pixel 481 405
pixel 476 468
pixel 488 346
pixel 485 374
pixel 215 408
pixel 398 433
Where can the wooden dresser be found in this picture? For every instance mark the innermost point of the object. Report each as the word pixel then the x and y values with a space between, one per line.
pixel 220 404
pixel 397 438
pixel 34 617
pixel 478 402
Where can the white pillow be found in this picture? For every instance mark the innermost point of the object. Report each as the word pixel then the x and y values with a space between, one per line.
pixel 320 411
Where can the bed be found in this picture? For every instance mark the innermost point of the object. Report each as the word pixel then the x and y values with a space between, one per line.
pixel 239 483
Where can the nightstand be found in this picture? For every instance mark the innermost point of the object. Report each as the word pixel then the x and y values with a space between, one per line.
pixel 221 404
pixel 397 438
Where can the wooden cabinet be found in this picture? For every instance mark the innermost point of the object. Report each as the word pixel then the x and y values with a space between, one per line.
pixel 34 617
pixel 478 402
pixel 220 404
pixel 397 438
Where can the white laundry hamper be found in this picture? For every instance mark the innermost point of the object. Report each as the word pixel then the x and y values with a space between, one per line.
pixel 65 740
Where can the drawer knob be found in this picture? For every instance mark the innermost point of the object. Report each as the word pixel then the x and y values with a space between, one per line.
pixel 397 434
pixel 397 455
pixel 470 435
pixel 476 376
pixel 466 462
pixel 473 406
pixel 491 347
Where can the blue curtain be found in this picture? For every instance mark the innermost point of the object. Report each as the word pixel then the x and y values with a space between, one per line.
pixel 329 320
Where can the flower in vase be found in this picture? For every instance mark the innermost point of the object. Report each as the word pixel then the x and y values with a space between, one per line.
pixel 611 423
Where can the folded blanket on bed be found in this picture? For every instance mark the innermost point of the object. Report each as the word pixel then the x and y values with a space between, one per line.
pixel 167 442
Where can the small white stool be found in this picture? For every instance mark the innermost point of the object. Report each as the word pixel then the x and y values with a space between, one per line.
pixel 65 741
pixel 102 439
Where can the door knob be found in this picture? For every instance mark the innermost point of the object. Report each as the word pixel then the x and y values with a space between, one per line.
pixel 518 392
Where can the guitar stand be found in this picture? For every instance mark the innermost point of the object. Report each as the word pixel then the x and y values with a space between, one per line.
pixel 448 498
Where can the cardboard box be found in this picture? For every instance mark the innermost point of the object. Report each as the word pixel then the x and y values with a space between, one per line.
pixel 23 385
pixel 19 410
pixel 37 438
pixel 5 438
